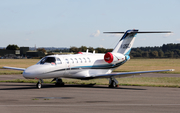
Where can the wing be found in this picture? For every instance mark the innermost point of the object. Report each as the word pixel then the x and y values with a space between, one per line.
pixel 124 74
pixel 15 68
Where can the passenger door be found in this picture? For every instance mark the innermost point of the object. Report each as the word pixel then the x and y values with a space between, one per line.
pixel 60 66
pixel 68 66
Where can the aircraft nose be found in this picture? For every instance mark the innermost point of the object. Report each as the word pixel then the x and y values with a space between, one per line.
pixel 26 74
pixel 32 72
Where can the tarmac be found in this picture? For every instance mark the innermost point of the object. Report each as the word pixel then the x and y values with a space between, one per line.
pixel 25 97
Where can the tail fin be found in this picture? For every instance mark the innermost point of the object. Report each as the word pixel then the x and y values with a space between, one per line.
pixel 126 42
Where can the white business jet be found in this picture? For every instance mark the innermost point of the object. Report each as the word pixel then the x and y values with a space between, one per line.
pixel 86 65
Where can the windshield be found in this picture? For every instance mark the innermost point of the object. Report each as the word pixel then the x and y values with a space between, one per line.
pixel 48 60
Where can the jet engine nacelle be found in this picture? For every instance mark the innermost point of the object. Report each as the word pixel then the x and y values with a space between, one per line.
pixel 114 57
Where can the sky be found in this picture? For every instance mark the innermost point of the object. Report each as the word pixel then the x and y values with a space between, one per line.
pixel 67 23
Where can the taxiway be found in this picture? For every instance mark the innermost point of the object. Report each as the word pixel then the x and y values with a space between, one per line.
pixel 26 98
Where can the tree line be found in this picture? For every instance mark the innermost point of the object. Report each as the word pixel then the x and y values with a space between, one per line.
pixel 90 49
pixel 165 51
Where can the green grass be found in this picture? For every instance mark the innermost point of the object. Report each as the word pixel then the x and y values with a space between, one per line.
pixel 22 63
pixel 10 72
pixel 134 81
pixel 150 64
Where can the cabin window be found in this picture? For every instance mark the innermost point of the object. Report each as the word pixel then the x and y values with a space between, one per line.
pixel 72 60
pixel 67 61
pixel 89 59
pixel 58 61
pixel 80 60
pixel 76 60
pixel 84 60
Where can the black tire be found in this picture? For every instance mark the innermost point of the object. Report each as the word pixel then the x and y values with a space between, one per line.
pixel 114 84
pixel 39 85
pixel 59 84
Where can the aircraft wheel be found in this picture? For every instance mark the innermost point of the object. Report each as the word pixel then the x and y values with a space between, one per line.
pixel 39 85
pixel 113 84
pixel 59 83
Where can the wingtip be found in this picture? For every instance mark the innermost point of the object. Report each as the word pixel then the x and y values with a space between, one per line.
pixel 172 70
pixel 4 66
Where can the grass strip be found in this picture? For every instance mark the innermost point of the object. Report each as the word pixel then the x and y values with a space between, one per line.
pixel 10 72
pixel 136 81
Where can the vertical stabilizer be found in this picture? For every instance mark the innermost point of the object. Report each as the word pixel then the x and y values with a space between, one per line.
pixel 126 42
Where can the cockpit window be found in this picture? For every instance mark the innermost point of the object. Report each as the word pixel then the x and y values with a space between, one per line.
pixel 58 61
pixel 48 60
pixel 42 61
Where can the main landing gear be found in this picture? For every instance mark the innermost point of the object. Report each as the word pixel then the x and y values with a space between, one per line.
pixel 59 82
pixel 113 82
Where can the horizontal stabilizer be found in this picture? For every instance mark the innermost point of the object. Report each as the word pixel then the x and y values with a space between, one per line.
pixel 15 68
pixel 143 32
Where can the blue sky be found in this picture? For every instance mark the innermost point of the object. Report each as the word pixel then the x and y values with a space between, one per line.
pixel 66 23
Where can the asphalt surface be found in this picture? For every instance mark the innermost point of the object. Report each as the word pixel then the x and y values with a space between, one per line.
pixel 26 98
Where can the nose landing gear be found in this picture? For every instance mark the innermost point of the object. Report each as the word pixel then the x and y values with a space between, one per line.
pixel 39 84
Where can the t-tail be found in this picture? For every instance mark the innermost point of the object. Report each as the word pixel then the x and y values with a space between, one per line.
pixel 124 45
pixel 126 42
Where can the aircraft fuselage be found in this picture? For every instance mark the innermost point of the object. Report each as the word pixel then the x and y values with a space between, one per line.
pixel 71 66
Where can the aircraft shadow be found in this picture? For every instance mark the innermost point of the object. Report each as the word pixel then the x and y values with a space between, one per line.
pixel 104 87
pixel 33 86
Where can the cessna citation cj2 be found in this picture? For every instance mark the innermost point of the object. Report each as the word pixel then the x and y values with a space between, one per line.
pixel 86 65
